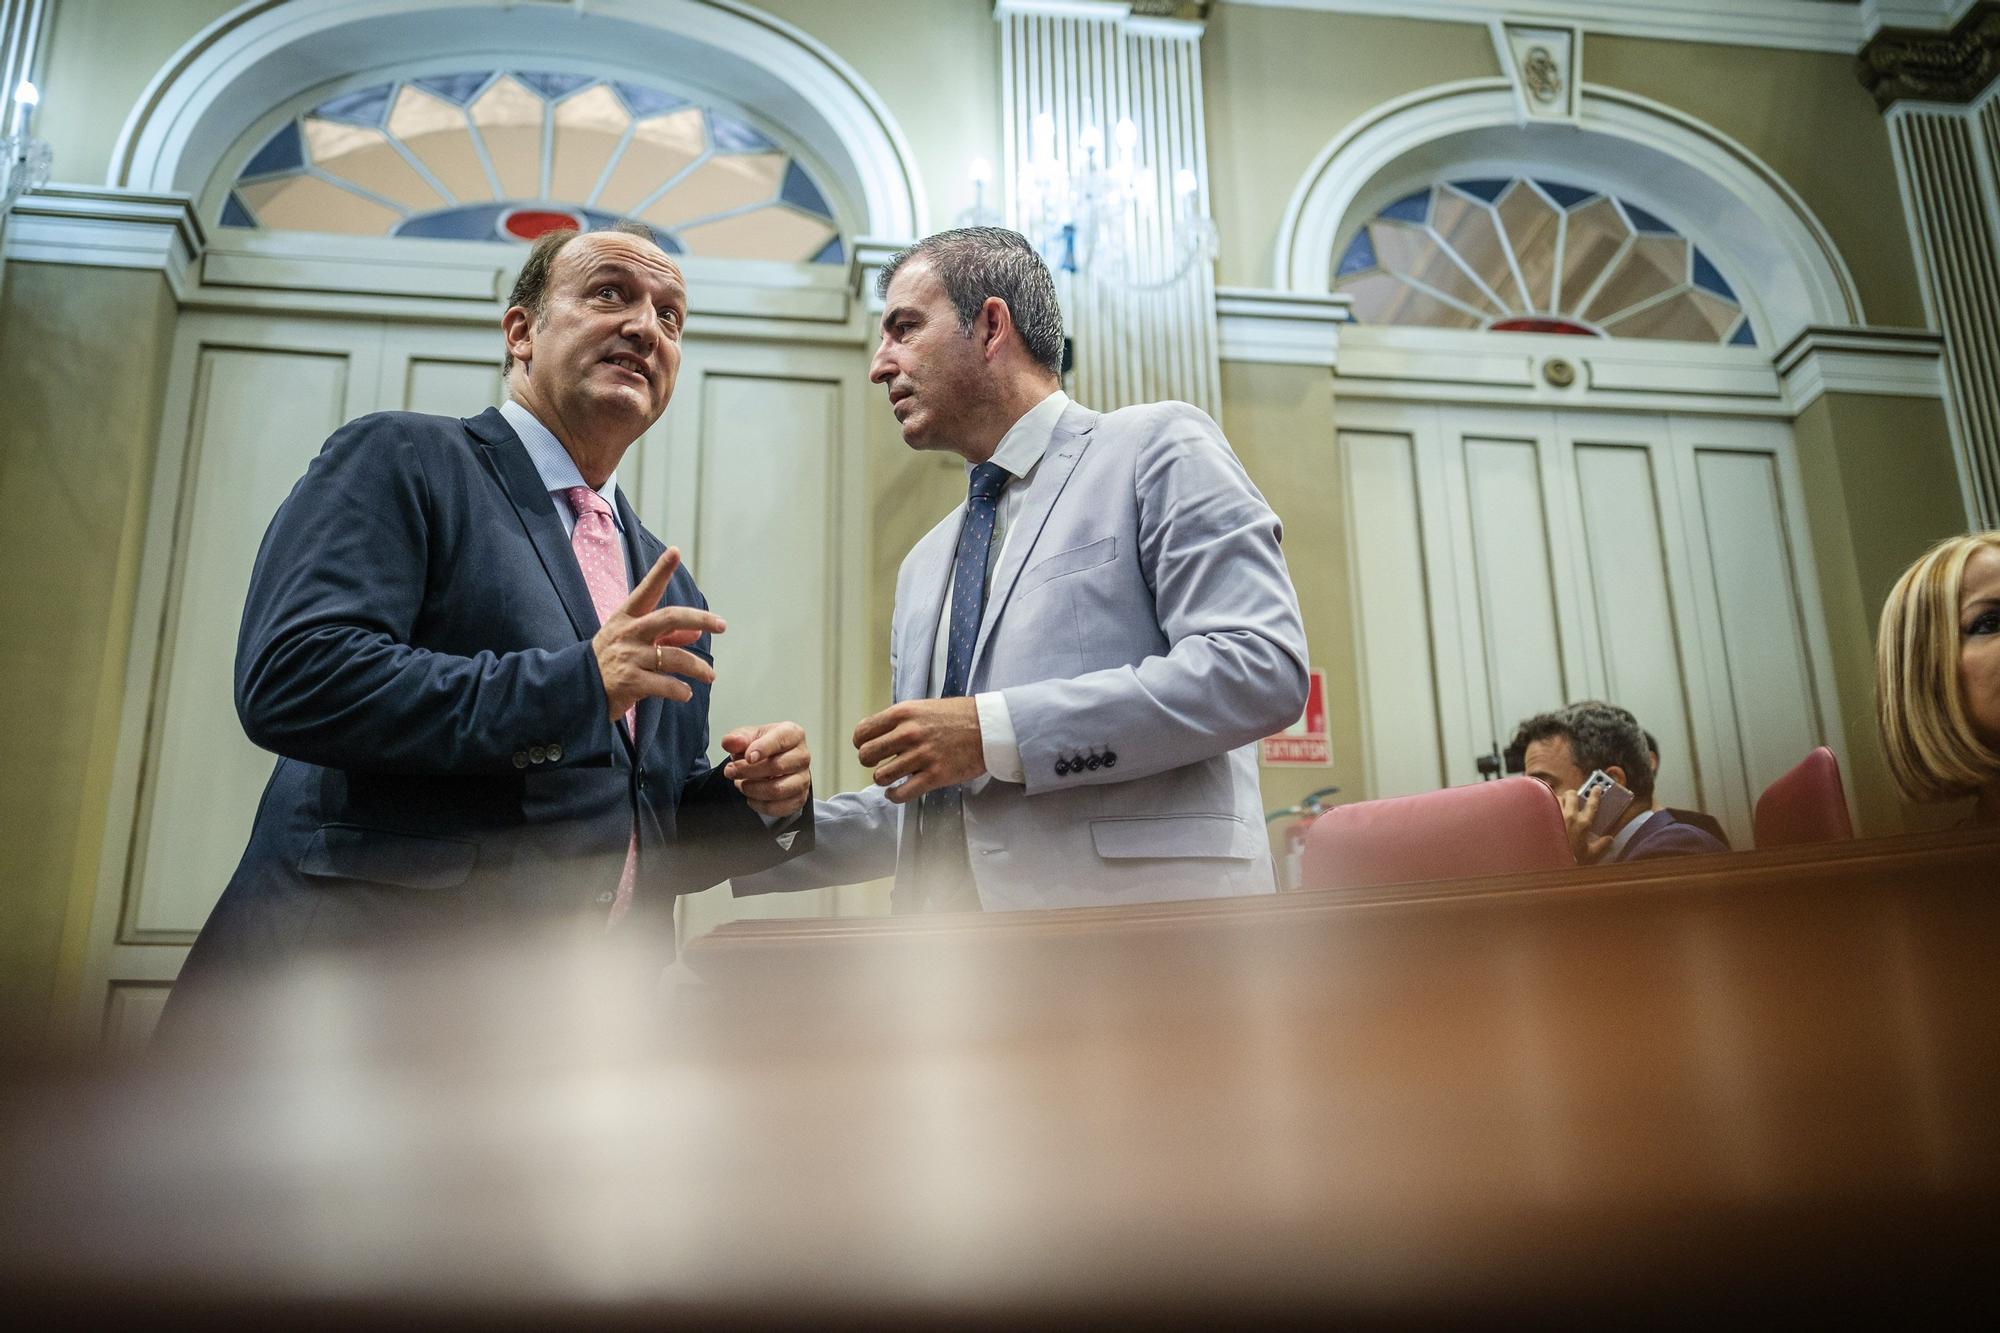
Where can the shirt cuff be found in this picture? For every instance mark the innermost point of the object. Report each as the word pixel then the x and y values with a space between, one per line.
pixel 996 737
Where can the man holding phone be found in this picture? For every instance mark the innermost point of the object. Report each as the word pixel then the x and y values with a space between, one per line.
pixel 1593 756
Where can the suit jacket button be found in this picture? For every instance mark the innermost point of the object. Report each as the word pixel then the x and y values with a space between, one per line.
pixel 1062 768
pixel 520 758
pixel 1094 763
pixel 536 754
pixel 555 754
pixel 1110 758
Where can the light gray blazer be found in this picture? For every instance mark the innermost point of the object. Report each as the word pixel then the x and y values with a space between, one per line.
pixel 1141 614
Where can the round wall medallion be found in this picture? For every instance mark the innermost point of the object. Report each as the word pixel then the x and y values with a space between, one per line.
pixel 1559 372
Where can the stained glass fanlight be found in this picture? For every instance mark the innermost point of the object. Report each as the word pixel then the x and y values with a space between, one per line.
pixel 1536 256
pixel 510 154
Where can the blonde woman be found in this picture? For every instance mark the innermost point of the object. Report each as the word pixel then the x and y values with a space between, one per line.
pixel 1937 675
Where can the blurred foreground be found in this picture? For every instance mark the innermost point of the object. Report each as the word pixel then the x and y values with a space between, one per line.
pixel 1763 1082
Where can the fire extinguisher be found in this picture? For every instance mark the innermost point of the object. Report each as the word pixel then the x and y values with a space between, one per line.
pixel 1310 807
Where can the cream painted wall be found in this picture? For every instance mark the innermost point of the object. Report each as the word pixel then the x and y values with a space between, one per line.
pixel 1880 487
pixel 101 56
pixel 85 351
pixel 1282 83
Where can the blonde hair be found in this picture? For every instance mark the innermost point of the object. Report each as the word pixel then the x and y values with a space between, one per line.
pixel 1932 750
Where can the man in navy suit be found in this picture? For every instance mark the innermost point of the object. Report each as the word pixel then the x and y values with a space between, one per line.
pixel 486 682
pixel 1565 747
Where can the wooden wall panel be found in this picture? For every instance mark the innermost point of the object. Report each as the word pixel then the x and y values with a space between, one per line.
pixel 259 416
pixel 1401 742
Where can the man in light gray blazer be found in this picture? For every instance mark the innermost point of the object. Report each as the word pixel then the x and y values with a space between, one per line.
pixel 1086 652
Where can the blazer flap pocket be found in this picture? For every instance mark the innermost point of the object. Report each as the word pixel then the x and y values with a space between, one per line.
pixel 1172 836
pixel 1073 560
pixel 350 851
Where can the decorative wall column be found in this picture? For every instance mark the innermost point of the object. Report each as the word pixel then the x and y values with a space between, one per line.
pixel 1940 92
pixel 22 26
pixel 1144 328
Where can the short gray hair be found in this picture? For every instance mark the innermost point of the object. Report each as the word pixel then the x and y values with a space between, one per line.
pixel 975 264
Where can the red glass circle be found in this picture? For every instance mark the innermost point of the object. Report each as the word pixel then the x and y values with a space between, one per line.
pixel 1528 325
pixel 527 224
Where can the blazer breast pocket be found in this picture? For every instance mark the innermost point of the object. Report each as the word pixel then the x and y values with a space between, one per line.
pixel 411 861
pixel 1073 561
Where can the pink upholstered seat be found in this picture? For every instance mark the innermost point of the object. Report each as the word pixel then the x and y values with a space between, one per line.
pixel 1806 805
pixel 1490 828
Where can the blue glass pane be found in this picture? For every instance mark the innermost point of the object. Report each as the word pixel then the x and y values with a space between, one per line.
pixel 1567 196
pixel 802 194
pixel 234 214
pixel 1410 208
pixel 1646 222
pixel 283 153
pixel 553 86
pixel 733 136
pixel 598 220
pixel 1489 190
pixel 457 89
pixel 833 252
pixel 1360 257
pixel 474 222
pixel 1745 336
pixel 643 101
pixel 1709 279
pixel 366 107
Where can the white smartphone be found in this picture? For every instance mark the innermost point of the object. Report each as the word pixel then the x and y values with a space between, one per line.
pixel 1610 805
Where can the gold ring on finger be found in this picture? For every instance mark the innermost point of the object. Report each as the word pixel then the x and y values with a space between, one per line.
pixel 659 659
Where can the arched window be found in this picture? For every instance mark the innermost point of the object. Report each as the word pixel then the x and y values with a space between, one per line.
pixel 1536 256
pixel 510 154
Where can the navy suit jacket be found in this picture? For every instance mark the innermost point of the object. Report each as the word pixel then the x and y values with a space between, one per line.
pixel 1664 835
pixel 416 649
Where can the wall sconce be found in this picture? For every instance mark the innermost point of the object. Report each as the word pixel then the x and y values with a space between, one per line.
pixel 24 159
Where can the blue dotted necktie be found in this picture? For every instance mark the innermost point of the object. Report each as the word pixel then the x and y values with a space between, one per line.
pixel 968 580
pixel 942 863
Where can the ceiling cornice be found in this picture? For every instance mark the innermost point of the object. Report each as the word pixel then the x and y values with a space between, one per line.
pixel 1797 25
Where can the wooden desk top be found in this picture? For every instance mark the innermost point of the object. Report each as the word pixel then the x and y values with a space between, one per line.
pixel 1655 1091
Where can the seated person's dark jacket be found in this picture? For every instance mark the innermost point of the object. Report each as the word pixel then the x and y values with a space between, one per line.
pixel 416 649
pixel 1664 834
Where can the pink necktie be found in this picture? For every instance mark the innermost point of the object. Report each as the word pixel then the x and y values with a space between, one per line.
pixel 602 559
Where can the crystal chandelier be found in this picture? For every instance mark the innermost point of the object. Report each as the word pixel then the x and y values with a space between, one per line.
pixel 24 159
pixel 1103 218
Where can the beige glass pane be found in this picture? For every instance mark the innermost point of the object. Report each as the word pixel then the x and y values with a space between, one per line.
pixel 588 128
pixel 1382 299
pixel 659 148
pixel 767 233
pixel 435 133
pixel 1596 231
pixel 509 118
pixel 1468 227
pixel 1532 224
pixel 1653 266
pixel 1692 316
pixel 1413 253
pixel 306 203
pixel 718 185
pixel 366 157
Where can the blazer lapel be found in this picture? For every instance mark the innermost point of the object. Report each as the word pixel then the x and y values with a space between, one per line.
pixel 930 577
pixel 508 458
pixel 1066 446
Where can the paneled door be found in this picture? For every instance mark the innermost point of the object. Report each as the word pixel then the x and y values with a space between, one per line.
pixel 746 472
pixel 1508 560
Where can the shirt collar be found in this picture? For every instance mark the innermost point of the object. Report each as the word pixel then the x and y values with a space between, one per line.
pixel 558 470
pixel 1028 439
pixel 1625 834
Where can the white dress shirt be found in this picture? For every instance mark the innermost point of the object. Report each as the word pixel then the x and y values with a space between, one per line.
pixel 1625 835
pixel 1018 452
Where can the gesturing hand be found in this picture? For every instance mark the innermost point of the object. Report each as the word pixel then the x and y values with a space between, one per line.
pixel 933 742
pixel 641 650
pixel 771 766
pixel 1577 816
